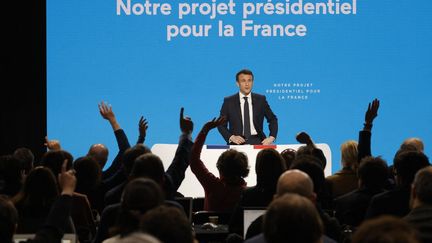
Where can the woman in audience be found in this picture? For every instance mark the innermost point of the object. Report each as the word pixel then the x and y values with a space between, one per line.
pixel 221 193
pixel 345 180
pixel 35 199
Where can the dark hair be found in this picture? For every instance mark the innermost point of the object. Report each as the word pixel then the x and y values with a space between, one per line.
pixel 25 157
pixel 311 166
pixel 88 174
pixel 407 163
pixel 131 154
pixel 292 218
pixel 148 165
pixel 54 160
pixel 423 185
pixel 289 156
pixel 168 224
pixel 39 191
pixel 10 175
pixel 315 152
pixel 233 165
pixel 246 72
pixel 139 196
pixel 269 166
pixel 8 219
pixel 373 172
pixel 385 229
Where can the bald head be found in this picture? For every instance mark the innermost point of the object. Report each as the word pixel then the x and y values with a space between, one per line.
pixel 99 152
pixel 416 143
pixel 295 181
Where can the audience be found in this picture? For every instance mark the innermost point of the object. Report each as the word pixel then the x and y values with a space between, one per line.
pixel 345 180
pixel 168 224
pixel 223 193
pixel 268 167
pixel 58 217
pixel 290 218
pixel 140 195
pixel 385 229
pixel 135 195
pixel 421 204
pixel 25 157
pixel 396 202
pixel 35 199
pixel 351 208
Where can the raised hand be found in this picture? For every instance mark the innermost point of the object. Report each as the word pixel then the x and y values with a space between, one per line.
pixel 372 111
pixel 67 179
pixel 215 122
pixel 142 127
pixel 186 124
pixel 303 137
pixel 107 113
pixel 52 144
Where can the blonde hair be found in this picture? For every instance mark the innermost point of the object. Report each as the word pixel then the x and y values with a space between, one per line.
pixel 349 152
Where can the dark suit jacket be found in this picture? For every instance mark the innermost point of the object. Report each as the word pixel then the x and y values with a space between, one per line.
pixel 421 219
pixel 234 125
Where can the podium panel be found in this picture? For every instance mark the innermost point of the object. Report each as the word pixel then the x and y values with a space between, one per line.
pixel 210 153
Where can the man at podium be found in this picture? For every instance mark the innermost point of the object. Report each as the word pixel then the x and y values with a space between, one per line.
pixel 245 112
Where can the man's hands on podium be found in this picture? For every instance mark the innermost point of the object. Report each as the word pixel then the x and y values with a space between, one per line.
pixel 186 124
pixel 269 140
pixel 237 140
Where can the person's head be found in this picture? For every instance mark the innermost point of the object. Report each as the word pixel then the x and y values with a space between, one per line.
pixel 244 79
pixel 312 151
pixel 148 165
pixel 139 196
pixel 131 154
pixel 25 157
pixel 372 172
pixel 385 229
pixel 39 190
pixel 292 218
pixel 421 189
pixel 289 156
pixel 349 153
pixel 168 224
pixel 406 164
pixel 99 152
pixel 11 175
pixel 296 181
pixel 416 143
pixel 269 166
pixel 311 166
pixel 233 166
pixel 54 159
pixel 8 220
pixel 88 174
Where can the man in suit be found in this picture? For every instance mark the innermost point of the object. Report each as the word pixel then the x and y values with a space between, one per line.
pixel 245 112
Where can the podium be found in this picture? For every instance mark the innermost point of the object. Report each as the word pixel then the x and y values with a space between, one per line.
pixel 191 187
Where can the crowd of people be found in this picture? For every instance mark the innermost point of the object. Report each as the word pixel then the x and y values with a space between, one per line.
pixel 135 198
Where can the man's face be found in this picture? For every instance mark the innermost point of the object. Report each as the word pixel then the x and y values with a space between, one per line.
pixel 245 83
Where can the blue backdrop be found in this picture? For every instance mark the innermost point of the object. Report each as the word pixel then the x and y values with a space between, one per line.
pixel 320 82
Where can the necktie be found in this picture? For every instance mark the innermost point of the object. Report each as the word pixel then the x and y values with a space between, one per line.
pixel 246 119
